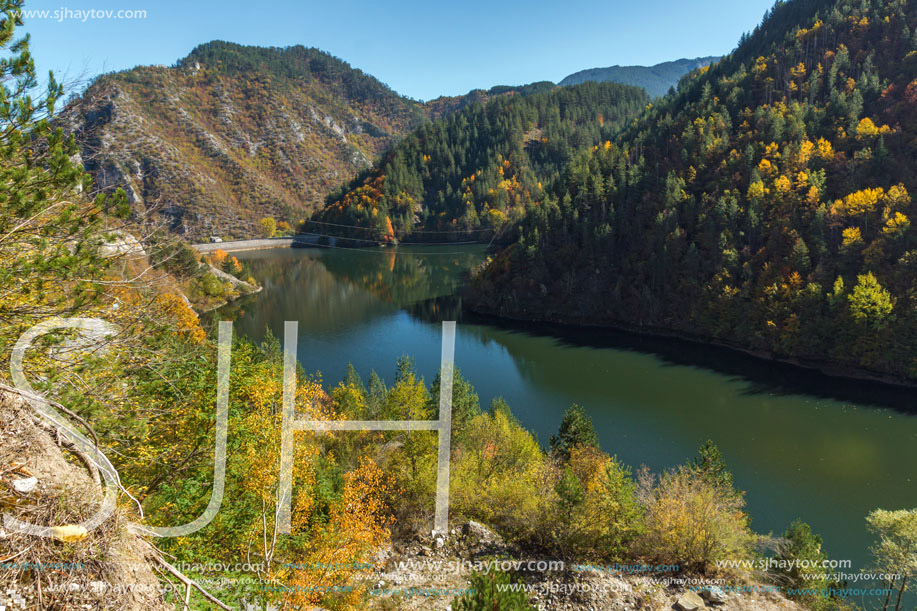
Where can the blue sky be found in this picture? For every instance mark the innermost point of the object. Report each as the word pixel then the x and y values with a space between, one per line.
pixel 421 49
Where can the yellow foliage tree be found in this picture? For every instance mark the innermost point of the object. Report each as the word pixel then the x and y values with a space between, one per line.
pixel 268 227
pixel 218 256
pixel 859 202
pixel 596 514
pixel 812 196
pixel 851 236
pixel 498 474
pixel 756 190
pixel 896 225
pixel 866 128
pixel 358 526
pixel 783 184
pixel 806 149
pixel 186 321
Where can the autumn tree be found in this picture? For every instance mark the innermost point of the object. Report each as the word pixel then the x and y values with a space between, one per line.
pixel 268 227
pixel 870 303
pixel 693 522
pixel 594 513
pixel 498 476
pixel 895 550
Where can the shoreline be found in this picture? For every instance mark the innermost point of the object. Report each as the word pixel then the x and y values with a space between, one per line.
pixel 304 240
pixel 826 368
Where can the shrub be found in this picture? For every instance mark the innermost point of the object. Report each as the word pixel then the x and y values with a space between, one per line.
pixel 211 285
pixel 499 474
pixel 800 555
pixel 593 512
pixel 693 522
pixel 491 592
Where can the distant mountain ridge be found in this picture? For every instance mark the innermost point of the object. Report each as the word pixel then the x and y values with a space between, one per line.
pixel 655 79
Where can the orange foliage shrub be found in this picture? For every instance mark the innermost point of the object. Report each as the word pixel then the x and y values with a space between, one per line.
pixel 186 320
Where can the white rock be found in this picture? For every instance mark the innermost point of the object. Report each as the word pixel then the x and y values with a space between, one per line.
pixel 714 595
pixel 25 486
pixel 121 243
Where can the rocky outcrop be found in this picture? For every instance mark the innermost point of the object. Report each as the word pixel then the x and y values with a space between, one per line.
pixel 120 243
pixel 434 567
pixel 106 568
pixel 240 286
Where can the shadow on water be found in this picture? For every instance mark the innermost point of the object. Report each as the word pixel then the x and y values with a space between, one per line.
pixel 341 288
pixel 761 375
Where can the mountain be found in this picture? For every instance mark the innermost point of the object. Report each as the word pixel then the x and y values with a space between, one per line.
pixel 765 205
pixel 233 133
pixel 465 176
pixel 657 80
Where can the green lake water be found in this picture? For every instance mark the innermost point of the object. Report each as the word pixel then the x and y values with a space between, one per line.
pixel 800 443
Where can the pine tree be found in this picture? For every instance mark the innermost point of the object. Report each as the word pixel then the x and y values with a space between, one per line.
pixel 50 232
pixel 575 429
pixel 465 402
pixel 710 464
pixel 375 396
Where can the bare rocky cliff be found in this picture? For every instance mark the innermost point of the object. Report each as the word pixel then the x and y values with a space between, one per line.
pixel 231 134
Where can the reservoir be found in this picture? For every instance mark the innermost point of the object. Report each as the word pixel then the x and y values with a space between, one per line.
pixel 801 444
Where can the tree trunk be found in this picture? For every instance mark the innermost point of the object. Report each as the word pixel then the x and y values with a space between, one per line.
pixel 900 592
pixel 888 595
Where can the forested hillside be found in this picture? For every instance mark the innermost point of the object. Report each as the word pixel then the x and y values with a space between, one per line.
pixel 443 106
pixel 767 204
pixel 465 176
pixel 655 79
pixel 231 134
